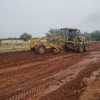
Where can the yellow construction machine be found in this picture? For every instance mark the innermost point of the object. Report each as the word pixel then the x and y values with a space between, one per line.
pixel 68 39
pixel 73 40
pixel 41 44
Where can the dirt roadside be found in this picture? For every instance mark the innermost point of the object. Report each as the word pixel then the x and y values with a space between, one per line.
pixel 27 76
pixel 92 91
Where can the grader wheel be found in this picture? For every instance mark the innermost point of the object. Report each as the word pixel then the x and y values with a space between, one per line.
pixel 66 48
pixel 40 49
pixel 86 48
pixel 80 48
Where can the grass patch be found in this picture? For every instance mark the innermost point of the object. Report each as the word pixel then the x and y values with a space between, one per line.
pixel 14 45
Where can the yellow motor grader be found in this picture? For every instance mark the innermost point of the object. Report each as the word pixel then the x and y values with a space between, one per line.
pixel 73 40
pixel 68 39
pixel 41 44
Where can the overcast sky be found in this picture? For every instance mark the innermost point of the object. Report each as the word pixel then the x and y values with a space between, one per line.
pixel 36 17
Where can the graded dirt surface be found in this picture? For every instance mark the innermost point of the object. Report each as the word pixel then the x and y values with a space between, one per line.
pixel 91 92
pixel 25 75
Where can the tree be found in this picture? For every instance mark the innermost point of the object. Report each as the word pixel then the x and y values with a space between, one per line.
pixel 52 32
pixel 95 35
pixel 0 42
pixel 25 36
pixel 87 35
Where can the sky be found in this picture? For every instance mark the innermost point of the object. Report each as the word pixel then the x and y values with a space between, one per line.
pixel 37 17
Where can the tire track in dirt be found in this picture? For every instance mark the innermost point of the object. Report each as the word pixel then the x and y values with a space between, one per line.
pixel 73 89
pixel 14 59
pixel 60 79
pixel 37 76
pixel 66 76
pixel 45 72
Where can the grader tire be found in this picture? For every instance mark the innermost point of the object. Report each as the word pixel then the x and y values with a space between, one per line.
pixel 66 48
pixel 40 49
pixel 80 48
pixel 86 48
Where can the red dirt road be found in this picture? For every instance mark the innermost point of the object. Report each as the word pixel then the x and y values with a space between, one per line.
pixel 27 76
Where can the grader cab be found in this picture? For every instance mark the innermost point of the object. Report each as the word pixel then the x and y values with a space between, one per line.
pixel 73 40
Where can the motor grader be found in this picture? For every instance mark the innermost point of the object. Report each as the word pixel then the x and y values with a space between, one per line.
pixel 68 39
pixel 41 44
pixel 73 40
pixel 79 45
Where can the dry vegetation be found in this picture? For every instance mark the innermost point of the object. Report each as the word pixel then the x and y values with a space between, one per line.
pixel 14 45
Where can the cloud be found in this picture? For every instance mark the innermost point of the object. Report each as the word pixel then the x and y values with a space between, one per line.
pixel 38 16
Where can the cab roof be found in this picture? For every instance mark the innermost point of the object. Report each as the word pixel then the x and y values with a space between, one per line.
pixel 69 29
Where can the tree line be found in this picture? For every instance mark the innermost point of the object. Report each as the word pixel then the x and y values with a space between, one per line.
pixel 93 36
